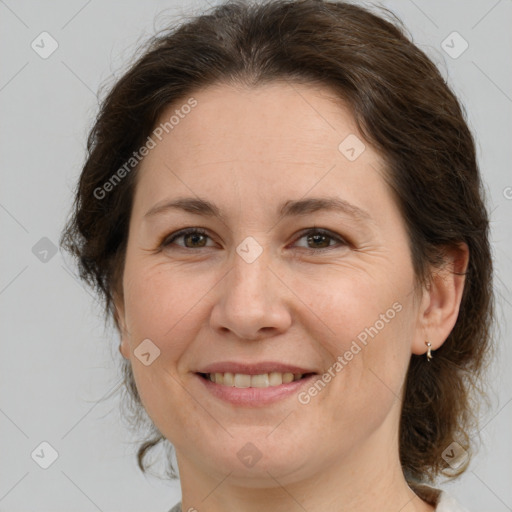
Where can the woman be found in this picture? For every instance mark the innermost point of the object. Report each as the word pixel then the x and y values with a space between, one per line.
pixel 282 209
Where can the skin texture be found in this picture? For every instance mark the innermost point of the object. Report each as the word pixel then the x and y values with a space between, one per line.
pixel 248 150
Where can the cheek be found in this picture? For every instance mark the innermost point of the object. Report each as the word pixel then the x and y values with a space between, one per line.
pixel 160 304
pixel 356 306
pixel 369 325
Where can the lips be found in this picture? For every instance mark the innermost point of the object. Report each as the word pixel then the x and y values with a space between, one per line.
pixel 257 375
pixel 253 385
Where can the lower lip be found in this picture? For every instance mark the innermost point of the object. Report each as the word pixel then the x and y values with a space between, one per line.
pixel 254 397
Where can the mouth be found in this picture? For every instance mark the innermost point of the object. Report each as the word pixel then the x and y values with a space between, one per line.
pixel 253 384
pixel 261 380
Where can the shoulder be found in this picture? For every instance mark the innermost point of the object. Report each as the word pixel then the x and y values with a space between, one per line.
pixel 447 503
pixel 443 501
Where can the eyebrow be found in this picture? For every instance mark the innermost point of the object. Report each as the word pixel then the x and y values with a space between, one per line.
pixel 289 208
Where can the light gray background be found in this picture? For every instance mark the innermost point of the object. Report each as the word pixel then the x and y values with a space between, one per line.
pixel 56 359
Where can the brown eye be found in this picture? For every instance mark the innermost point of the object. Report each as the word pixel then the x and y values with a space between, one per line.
pixel 195 238
pixel 321 239
pixel 192 238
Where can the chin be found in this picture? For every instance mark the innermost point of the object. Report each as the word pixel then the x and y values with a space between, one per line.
pixel 254 460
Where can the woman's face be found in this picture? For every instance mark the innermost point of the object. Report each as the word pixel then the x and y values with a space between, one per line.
pixel 275 284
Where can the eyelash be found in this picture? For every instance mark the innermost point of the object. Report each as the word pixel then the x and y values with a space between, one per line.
pixel 184 232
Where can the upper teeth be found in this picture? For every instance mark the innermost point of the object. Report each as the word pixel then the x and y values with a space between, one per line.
pixel 242 380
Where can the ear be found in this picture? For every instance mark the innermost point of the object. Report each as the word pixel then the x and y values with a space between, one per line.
pixel 120 320
pixel 440 302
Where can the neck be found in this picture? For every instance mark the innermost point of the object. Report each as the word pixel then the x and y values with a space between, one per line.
pixel 369 480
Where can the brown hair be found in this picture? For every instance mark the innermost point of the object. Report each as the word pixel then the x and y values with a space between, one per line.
pixel 402 106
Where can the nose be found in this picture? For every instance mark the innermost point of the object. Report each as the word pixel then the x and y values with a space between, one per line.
pixel 252 301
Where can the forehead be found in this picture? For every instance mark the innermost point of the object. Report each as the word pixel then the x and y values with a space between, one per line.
pixel 278 139
pixel 263 122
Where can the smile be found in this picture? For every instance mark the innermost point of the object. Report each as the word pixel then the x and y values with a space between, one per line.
pixel 255 389
pixel 263 380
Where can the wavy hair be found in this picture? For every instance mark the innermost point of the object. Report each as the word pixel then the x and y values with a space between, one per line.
pixel 402 105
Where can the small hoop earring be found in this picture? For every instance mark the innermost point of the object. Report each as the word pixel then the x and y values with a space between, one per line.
pixel 429 350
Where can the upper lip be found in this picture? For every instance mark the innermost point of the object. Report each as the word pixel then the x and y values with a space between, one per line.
pixel 253 368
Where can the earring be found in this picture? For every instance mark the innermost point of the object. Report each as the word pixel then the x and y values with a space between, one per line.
pixel 429 350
